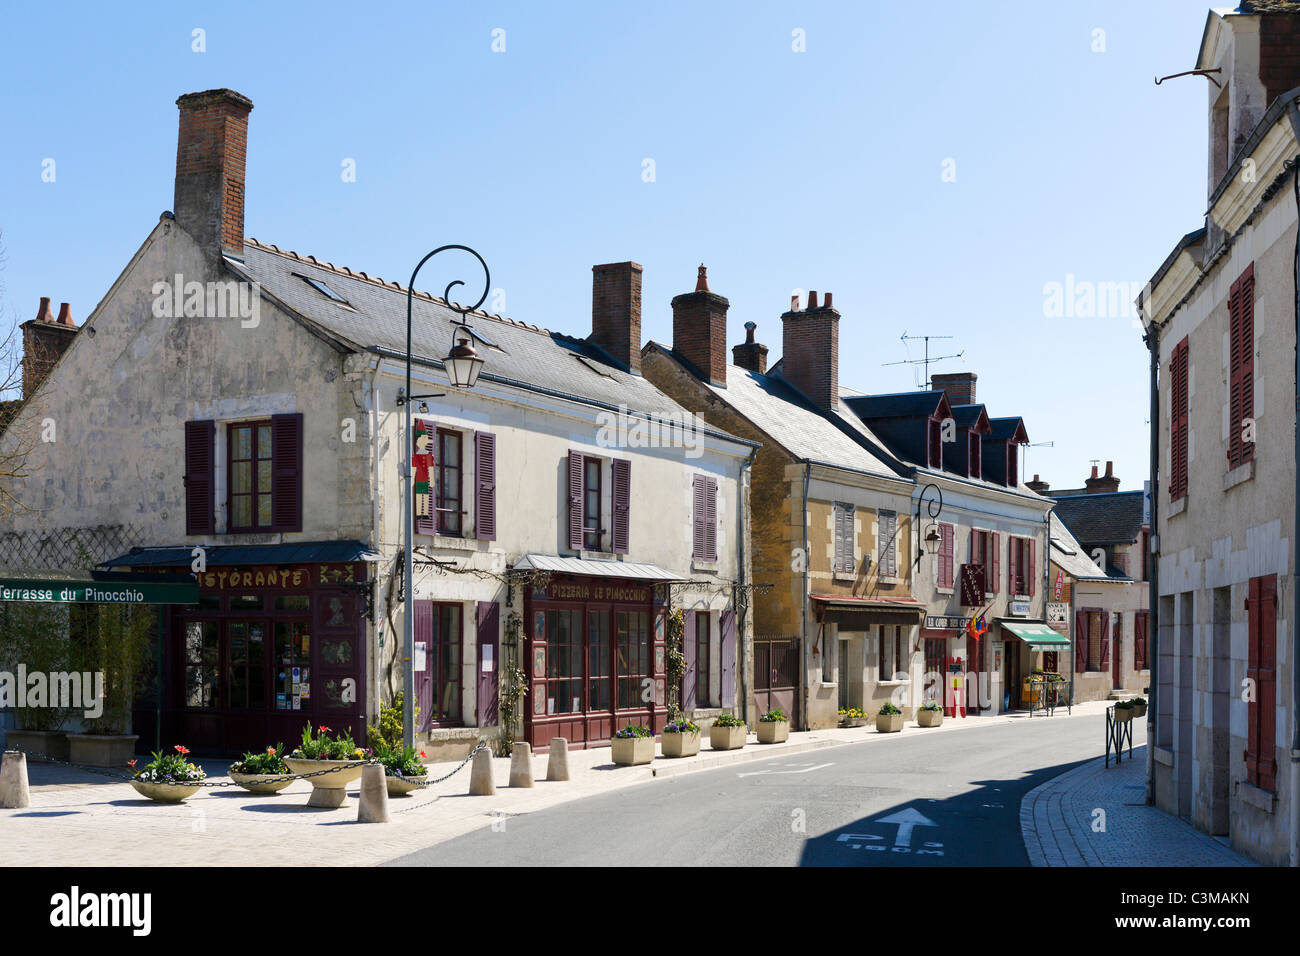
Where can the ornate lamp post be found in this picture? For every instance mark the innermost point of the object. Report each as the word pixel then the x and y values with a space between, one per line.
pixel 935 508
pixel 463 366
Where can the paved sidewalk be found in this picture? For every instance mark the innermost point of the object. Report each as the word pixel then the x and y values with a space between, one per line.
pixel 79 819
pixel 1062 822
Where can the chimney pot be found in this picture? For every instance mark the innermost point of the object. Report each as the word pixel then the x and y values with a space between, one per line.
pixel 702 280
pixel 1110 469
pixel 43 314
pixel 794 303
pixel 1094 471
pixel 812 300
pixel 65 315
pixel 826 304
pixel 750 354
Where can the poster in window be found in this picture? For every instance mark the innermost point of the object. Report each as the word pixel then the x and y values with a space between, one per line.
pixel 538 706
pixel 659 659
pixel 539 662
pixel 419 661
pixel 487 664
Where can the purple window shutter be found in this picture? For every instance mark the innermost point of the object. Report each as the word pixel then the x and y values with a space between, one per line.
pixel 286 472
pixel 427 524
pixel 485 487
pixel 200 484
pixel 424 679
pixel 995 546
pixel 728 622
pixel 690 672
pixel 1105 641
pixel 697 518
pixel 622 471
pixel 575 500
pixel 489 629
pixel 711 519
pixel 1080 642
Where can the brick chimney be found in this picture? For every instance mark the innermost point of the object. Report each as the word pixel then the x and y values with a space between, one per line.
pixel 810 351
pixel 1037 486
pixel 616 311
pixel 1106 483
pixel 750 354
pixel 958 386
pixel 45 339
pixel 700 330
pixel 210 155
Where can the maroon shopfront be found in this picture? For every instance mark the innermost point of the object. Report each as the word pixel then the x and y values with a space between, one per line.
pixel 268 649
pixel 594 652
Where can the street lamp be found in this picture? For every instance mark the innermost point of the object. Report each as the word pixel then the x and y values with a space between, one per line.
pixel 934 508
pixel 463 366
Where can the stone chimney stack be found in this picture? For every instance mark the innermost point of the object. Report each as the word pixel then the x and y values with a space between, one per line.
pixel 810 352
pixel 1103 485
pixel 958 386
pixel 700 330
pixel 210 159
pixel 750 355
pixel 45 339
pixel 1037 486
pixel 616 311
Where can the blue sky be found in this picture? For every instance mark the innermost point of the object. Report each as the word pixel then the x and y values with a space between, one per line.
pixel 781 170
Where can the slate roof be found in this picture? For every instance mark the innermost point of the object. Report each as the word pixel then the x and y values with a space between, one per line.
pixel 1103 519
pixel 1005 428
pixel 1071 556
pixel 967 415
pixel 373 316
pixel 298 552
pixel 897 404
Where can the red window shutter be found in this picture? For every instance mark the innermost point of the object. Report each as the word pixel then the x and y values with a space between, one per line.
pixel 1241 365
pixel 1105 641
pixel 945 555
pixel 622 470
pixel 427 524
pixel 995 547
pixel 200 483
pixel 485 486
pixel 1032 574
pixel 575 500
pixel 1178 421
pixel 936 443
pixel 697 518
pixel 711 518
pixel 1268 690
pixel 1252 674
pixel 1080 641
pixel 1013 563
pixel 1140 640
pixel 286 472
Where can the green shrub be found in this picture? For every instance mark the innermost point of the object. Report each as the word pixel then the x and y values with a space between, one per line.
pixel 388 735
pixel 402 762
pixel 932 705
pixel 272 761
pixel 634 730
pixel 774 716
pixel 728 720
pixel 887 709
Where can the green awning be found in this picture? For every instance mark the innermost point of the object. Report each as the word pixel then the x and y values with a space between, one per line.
pixel 97 587
pixel 1037 635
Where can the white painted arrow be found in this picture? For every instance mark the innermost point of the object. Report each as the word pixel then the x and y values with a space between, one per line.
pixel 758 773
pixel 906 820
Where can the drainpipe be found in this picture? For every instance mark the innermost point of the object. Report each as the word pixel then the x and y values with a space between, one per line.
pixel 744 626
pixel 1295 541
pixel 374 693
pixel 807 599
pixel 1153 563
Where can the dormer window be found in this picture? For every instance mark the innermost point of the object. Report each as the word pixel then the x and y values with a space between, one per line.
pixel 973 461
pixel 935 443
pixel 1013 474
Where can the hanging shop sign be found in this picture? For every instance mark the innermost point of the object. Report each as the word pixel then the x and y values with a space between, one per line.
pixel 1058 612
pixel 945 622
pixel 972 585
pixel 1018 609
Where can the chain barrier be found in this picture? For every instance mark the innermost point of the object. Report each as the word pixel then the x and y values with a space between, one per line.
pixel 119 775
pixel 482 745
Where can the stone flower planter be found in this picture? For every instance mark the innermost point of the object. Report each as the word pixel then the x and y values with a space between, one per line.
pixel 773 731
pixel 853 721
pixel 49 743
pixel 727 738
pixel 329 790
pixel 680 745
pixel 929 718
pixel 101 750
pixel 1123 714
pixel 630 751
pixel 401 786
pixel 1139 710
pixel 260 783
pixel 889 723
pixel 165 792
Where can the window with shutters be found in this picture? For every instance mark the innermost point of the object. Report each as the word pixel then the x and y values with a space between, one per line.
pixel 704 518
pixel 1094 641
pixel 934 442
pixel 1013 464
pixel 893 654
pixel 1261 672
pixel 485 486
pixel 1178 421
pixel 981 553
pixel 1241 368
pixel 702 659
pixel 845 554
pixel 448 483
pixel 887 544
pixel 591 504
pixel 974 448
pixel 1020 558
pixel 249 476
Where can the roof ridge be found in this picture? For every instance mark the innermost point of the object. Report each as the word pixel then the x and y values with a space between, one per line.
pixel 376 280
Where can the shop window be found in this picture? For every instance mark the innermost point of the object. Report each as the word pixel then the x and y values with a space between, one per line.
pixel 202 661
pixel 247 602
pixel 598 660
pixel 336 651
pixel 292 665
pixel 209 603
pixel 564 662
pixel 247 668
pixel 449 470
pixel 293 602
pixel 250 476
pixel 446 648
pixel 702 650
pixel 632 645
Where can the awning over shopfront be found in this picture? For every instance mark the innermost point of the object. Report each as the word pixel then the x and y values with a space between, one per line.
pixel 1038 635
pixel 298 552
pixel 96 587
pixel 595 568
pixel 859 613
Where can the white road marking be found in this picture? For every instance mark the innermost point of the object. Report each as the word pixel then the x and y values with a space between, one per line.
pixel 757 773
pixel 906 820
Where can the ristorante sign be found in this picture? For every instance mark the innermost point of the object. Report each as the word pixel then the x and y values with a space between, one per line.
pixel 281 578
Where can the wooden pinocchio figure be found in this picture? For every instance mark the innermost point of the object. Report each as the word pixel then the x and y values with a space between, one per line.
pixel 422 461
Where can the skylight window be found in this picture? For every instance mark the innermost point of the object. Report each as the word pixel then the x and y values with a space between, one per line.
pixel 324 290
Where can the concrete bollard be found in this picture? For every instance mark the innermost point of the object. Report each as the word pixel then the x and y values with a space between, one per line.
pixel 481 783
pixel 521 765
pixel 557 763
pixel 373 806
pixel 14 794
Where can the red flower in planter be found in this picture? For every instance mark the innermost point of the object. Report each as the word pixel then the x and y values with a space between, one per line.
pixel 423 754
pixel 181 750
pixel 130 763
pixel 322 729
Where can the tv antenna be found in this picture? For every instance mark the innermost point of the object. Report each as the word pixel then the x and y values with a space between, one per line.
pixel 927 361
pixel 1037 444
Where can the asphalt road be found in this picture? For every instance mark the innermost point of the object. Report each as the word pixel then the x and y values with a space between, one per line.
pixel 947 799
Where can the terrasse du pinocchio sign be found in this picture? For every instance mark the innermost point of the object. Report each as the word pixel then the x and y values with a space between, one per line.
pixel 97 592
